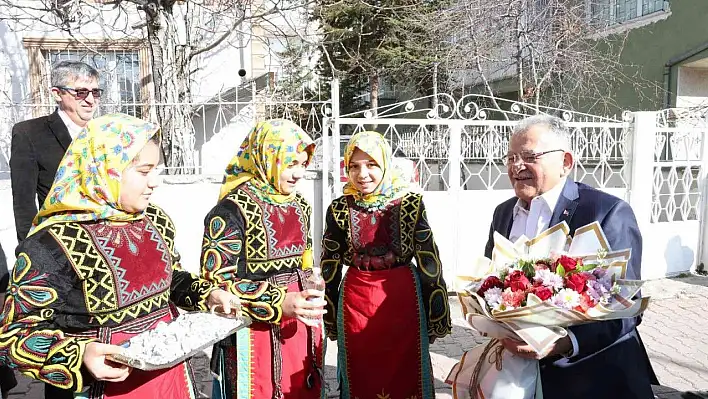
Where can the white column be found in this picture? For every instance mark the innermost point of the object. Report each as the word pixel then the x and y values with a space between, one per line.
pixel 326 143
pixel 323 192
pixel 702 253
pixel 455 195
pixel 319 208
pixel 336 156
pixel 455 160
pixel 643 141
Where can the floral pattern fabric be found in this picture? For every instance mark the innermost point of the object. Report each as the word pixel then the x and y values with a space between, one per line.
pixel 87 183
pixel 266 152
pixel 392 185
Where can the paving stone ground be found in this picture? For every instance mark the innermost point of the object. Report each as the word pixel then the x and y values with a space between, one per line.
pixel 674 330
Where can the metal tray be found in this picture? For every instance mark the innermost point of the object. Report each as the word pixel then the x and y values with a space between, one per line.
pixel 126 359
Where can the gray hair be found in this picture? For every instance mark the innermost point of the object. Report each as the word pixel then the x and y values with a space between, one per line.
pixel 67 72
pixel 556 128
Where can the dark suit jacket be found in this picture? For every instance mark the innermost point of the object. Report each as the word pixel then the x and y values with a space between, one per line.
pixel 38 145
pixel 625 368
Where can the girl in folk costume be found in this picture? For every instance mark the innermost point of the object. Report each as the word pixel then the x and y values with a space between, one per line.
pixel 392 302
pixel 254 242
pixel 99 267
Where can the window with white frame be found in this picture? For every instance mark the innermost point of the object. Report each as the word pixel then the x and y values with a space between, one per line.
pixel 613 12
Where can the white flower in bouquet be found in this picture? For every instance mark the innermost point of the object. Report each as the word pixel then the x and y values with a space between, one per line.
pixel 493 296
pixel 549 279
pixel 566 298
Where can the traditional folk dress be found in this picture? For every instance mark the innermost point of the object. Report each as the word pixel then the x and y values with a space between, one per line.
pixel 80 278
pixel 253 245
pixel 393 298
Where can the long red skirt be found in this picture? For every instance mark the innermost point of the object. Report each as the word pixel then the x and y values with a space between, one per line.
pixel 256 367
pixel 383 339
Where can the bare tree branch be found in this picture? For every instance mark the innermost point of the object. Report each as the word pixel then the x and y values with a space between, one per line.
pixel 549 51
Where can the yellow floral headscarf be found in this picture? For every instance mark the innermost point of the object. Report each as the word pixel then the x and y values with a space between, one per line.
pixel 392 185
pixel 265 153
pixel 87 183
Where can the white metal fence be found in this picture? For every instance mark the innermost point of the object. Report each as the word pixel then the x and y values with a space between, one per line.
pixel 427 129
pixel 458 147
pixel 215 129
pixel 654 160
pixel 679 160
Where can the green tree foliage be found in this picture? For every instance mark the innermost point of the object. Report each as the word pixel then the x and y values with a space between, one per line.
pixel 368 41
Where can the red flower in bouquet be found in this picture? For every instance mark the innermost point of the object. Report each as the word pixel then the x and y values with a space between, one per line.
pixel 542 292
pixel 577 282
pixel 568 263
pixel 517 281
pixel 489 282
pixel 511 298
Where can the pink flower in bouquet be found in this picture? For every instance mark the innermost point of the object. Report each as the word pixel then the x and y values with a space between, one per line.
pixel 489 282
pixel 517 281
pixel 586 303
pixel 513 299
pixel 568 263
pixel 577 282
pixel 542 292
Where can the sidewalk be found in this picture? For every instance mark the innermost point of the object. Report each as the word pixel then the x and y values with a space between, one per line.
pixel 674 330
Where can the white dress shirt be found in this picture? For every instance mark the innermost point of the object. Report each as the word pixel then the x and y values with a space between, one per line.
pixel 536 219
pixel 530 222
pixel 73 128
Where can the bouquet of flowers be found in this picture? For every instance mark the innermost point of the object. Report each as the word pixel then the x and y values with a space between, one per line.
pixel 530 291
pixel 565 281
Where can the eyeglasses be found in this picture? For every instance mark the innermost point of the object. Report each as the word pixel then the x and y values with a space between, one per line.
pixel 526 157
pixel 82 93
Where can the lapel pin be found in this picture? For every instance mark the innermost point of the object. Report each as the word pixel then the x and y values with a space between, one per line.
pixel 565 212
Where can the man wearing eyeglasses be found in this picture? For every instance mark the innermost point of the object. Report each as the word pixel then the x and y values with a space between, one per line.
pixel 39 144
pixel 597 360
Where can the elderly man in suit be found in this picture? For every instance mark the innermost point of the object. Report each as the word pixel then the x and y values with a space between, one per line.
pixel 596 360
pixel 38 145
